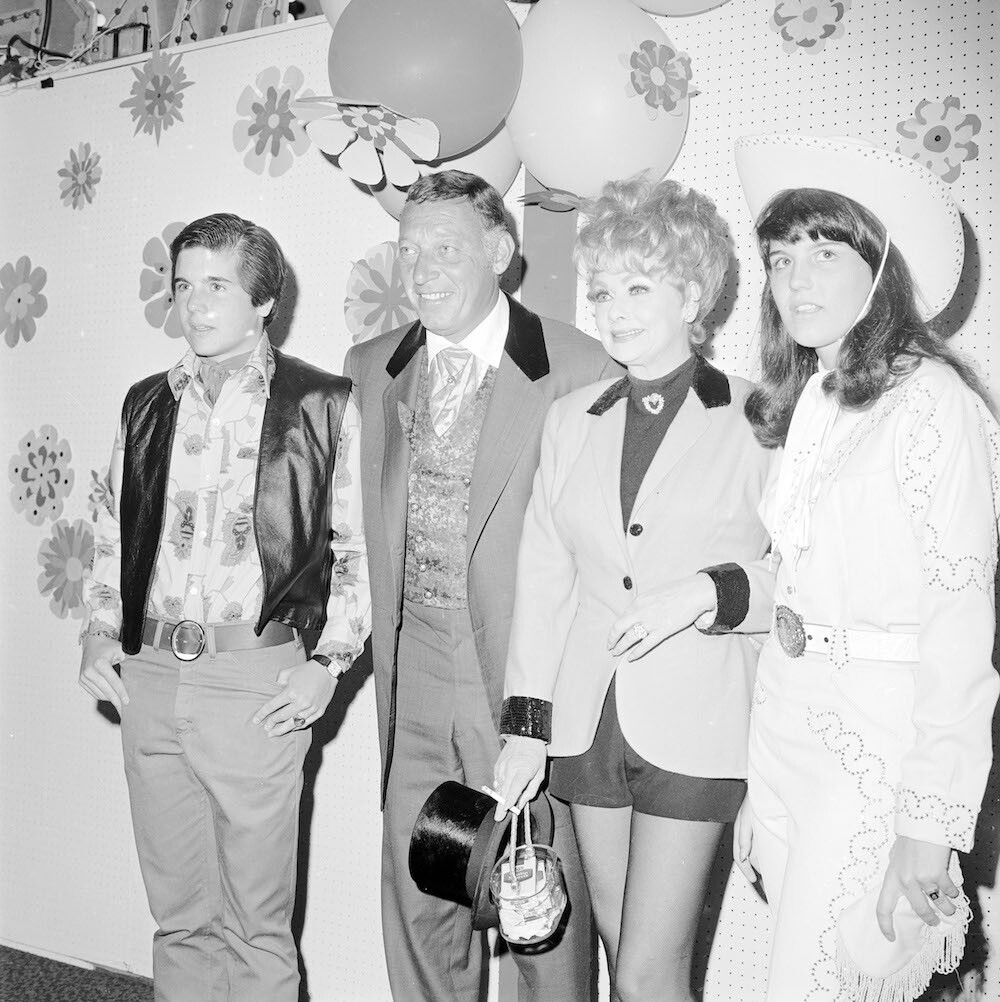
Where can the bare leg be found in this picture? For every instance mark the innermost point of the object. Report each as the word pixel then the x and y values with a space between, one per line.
pixel 603 836
pixel 668 869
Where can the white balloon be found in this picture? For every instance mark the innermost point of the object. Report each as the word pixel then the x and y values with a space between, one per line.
pixel 333 9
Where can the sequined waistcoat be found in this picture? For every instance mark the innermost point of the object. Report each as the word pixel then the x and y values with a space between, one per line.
pixel 438 513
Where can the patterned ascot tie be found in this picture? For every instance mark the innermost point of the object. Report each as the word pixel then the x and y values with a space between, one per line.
pixel 453 380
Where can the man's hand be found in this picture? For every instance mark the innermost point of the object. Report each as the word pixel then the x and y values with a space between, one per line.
pixel 97 670
pixel 918 870
pixel 308 689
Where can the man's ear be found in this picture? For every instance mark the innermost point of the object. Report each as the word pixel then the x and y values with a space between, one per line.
pixel 264 308
pixel 503 253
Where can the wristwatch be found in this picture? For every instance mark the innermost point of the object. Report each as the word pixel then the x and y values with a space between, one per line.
pixel 333 667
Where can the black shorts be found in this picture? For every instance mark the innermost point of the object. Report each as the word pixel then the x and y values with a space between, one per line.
pixel 612 774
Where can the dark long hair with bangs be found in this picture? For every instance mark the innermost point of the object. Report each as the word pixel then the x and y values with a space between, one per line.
pixel 882 348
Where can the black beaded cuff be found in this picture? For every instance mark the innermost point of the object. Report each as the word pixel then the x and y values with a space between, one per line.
pixel 732 588
pixel 527 717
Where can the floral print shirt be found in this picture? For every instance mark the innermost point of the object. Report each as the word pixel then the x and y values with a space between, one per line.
pixel 208 567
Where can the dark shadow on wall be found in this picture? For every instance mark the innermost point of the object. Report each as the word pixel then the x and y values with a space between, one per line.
pixel 957 312
pixel 281 323
pixel 324 731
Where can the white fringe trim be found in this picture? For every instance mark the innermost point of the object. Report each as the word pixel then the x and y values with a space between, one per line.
pixel 940 954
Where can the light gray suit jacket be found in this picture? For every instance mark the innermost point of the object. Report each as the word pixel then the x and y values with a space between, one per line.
pixel 542 360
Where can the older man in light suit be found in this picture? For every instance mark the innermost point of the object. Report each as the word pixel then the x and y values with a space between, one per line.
pixel 452 411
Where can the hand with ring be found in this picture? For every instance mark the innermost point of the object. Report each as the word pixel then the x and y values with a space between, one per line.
pixel 306 692
pixel 653 618
pixel 918 871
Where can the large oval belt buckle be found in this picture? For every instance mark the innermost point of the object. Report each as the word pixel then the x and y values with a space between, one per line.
pixel 791 633
pixel 187 640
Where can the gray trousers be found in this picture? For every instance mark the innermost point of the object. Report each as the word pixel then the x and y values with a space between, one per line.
pixel 444 731
pixel 215 808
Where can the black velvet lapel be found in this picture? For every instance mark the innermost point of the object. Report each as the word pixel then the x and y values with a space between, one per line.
pixel 407 348
pixel 711 385
pixel 525 343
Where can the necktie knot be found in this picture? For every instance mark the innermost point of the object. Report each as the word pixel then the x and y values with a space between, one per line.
pixel 452 374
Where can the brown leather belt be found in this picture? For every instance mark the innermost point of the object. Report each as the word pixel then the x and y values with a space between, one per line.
pixel 188 639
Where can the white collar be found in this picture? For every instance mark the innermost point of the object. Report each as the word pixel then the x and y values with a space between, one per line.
pixel 486 341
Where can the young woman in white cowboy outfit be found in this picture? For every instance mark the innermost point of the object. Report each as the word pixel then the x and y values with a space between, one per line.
pixel 643 482
pixel 870 737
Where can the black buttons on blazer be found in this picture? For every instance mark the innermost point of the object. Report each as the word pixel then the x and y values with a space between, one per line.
pixel 635 529
pixel 627 582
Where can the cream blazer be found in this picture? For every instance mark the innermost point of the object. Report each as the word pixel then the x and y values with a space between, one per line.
pixel 885 520
pixel 685 705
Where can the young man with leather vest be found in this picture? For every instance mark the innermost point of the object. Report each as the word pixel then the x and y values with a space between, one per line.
pixel 234 523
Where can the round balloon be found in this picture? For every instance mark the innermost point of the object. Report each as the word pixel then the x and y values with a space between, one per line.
pixel 604 95
pixel 455 62
pixel 333 9
pixel 679 8
pixel 495 160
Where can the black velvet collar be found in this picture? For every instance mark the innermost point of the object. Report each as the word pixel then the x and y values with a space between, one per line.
pixel 711 385
pixel 525 344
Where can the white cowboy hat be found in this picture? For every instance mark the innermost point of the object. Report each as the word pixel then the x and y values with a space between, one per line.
pixel 913 204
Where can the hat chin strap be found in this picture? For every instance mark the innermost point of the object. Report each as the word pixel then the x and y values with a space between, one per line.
pixel 871 292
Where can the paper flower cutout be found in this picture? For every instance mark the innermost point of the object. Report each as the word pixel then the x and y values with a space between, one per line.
pixel 80 175
pixel 40 475
pixel 270 131
pixel 156 98
pixel 939 136
pixel 372 142
pixel 155 282
pixel 66 557
pixel 554 199
pixel 376 300
pixel 807 25
pixel 100 496
pixel 659 74
pixel 21 300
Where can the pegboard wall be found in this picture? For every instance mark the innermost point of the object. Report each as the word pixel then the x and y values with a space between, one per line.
pixel 70 883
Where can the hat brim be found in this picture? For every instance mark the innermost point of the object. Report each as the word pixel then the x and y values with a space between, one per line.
pixel 913 204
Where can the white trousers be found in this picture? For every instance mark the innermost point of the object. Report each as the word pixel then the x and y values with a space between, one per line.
pixel 826 745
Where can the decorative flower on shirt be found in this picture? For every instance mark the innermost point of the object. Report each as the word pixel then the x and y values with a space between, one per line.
pixel 66 558
pixel 41 475
pixel 100 495
pixel 237 529
pixel 154 283
pixel 156 98
pixel 80 175
pixel 939 136
pixel 807 25
pixel 371 142
pixel 181 533
pixel 376 300
pixel 270 130
pixel 659 74
pixel 21 300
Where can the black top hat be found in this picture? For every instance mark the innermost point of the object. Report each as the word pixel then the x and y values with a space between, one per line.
pixel 456 842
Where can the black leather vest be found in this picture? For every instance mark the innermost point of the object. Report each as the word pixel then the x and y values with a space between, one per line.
pixel 291 511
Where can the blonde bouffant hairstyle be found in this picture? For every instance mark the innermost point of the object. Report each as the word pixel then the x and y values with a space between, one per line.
pixel 662 229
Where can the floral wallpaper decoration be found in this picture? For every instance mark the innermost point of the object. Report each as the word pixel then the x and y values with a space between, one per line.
pixel 371 142
pixel 154 282
pixel 40 474
pixel 376 300
pixel 66 558
pixel 80 176
pixel 157 96
pixel 659 75
pixel 939 136
pixel 21 300
pixel 807 25
pixel 100 496
pixel 269 128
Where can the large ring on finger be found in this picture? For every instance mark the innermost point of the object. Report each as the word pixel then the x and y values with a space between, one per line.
pixel 639 631
pixel 934 895
pixel 298 721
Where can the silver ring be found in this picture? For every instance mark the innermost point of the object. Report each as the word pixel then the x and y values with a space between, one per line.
pixel 933 895
pixel 298 721
pixel 640 631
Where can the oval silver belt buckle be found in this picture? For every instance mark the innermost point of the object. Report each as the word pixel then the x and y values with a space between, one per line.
pixel 187 640
pixel 790 631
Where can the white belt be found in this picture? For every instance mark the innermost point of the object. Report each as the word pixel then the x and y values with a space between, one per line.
pixel 798 637
pixel 868 645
